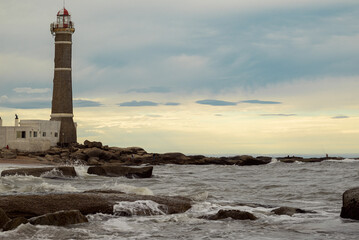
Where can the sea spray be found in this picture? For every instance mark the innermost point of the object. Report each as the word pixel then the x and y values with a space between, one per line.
pixel 139 208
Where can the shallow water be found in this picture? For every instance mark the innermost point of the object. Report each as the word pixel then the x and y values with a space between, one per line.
pixel 310 186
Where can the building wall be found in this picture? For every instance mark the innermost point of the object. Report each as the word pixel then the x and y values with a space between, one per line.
pixel 31 135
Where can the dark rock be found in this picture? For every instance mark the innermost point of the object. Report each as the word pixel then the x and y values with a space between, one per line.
pixel 29 206
pixel 350 208
pixel 119 170
pixel 79 155
pixel 8 154
pixel 234 214
pixel 89 144
pixel 93 152
pixel 61 218
pixel 3 218
pixel 93 161
pixel 290 211
pixel 14 223
pixel 37 172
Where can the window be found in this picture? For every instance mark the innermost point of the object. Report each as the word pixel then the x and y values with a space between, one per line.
pixel 56 134
pixel 44 134
pixel 30 134
pixel 20 134
pixel 35 134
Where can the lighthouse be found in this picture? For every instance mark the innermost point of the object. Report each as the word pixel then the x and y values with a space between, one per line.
pixel 62 108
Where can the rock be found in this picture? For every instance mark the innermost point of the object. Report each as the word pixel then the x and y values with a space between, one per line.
pixel 89 144
pixel 32 205
pixel 119 170
pixel 290 211
pixel 234 214
pixel 60 218
pixel 37 172
pixel 79 155
pixel 93 161
pixel 93 152
pixel 49 158
pixel 3 218
pixel 350 208
pixel 14 223
pixel 8 154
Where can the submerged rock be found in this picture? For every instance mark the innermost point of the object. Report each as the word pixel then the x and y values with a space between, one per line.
pixel 14 223
pixel 350 208
pixel 234 214
pixel 60 218
pixel 29 206
pixel 290 211
pixel 118 170
pixel 37 172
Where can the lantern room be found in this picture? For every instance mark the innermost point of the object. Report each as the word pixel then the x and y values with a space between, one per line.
pixel 63 18
pixel 63 22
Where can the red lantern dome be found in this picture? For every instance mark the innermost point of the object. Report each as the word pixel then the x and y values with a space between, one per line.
pixel 63 12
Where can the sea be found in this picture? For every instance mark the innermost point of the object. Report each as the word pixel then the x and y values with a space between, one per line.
pixel 259 189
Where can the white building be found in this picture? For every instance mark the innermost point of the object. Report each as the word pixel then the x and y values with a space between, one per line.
pixel 30 135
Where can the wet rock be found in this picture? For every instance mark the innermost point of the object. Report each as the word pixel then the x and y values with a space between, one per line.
pixel 60 218
pixel 90 144
pixel 234 214
pixel 350 208
pixel 37 172
pixel 93 202
pixel 8 154
pixel 3 218
pixel 290 211
pixel 14 223
pixel 119 170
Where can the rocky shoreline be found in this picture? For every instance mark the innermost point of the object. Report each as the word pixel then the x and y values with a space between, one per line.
pixel 94 153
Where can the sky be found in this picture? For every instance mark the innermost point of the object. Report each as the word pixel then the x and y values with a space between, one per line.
pixel 198 77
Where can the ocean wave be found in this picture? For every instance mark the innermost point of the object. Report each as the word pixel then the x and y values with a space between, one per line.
pixel 141 207
pixel 128 189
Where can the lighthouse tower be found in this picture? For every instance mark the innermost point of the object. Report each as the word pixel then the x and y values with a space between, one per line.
pixel 62 109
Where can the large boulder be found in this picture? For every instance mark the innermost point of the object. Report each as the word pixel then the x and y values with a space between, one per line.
pixel 90 144
pixel 118 171
pixel 350 208
pixel 32 205
pixel 37 172
pixel 290 211
pixel 3 218
pixel 14 223
pixel 93 152
pixel 234 214
pixel 60 218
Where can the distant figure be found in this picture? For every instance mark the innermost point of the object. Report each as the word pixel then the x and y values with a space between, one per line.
pixel 16 116
pixel 326 155
pixel 7 146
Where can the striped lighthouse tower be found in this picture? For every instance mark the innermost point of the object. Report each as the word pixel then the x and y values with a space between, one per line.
pixel 62 109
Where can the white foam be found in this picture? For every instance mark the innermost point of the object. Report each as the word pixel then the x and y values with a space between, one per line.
pixel 140 207
pixel 274 160
pixel 347 160
pixel 199 197
pixel 128 189
pixel 46 187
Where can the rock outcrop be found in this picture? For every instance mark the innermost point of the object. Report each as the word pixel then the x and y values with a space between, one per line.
pixel 38 172
pixel 350 208
pixel 29 206
pixel 3 218
pixel 8 154
pixel 234 214
pixel 61 218
pixel 290 211
pixel 14 223
pixel 118 171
